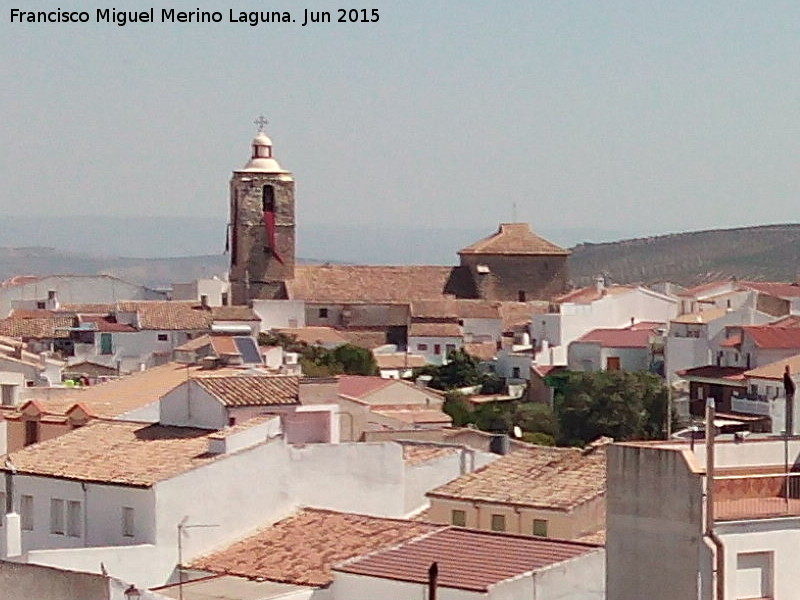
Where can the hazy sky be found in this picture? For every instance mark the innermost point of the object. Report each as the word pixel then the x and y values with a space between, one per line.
pixel 647 117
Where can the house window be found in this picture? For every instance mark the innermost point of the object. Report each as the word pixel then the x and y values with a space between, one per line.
pixel 268 199
pixel 449 349
pixel 422 347
pixel 540 527
pixel 323 313
pixel 26 512
pixel 105 343
pixel 31 432
pixel 498 522
pixel 73 518
pixel 437 349
pixel 7 392
pixel 163 337
pixel 521 295
pixel 128 522
pixel 458 518
pixel 754 575
pixel 515 373
pixel 224 298
pixel 57 516
pixel 612 363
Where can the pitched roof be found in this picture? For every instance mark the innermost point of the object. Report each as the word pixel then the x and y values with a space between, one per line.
pixel 106 323
pixel 535 476
pixel 38 328
pixel 514 238
pixel 117 452
pixel 168 314
pixel 767 336
pixel 414 415
pixel 359 386
pixel 637 336
pixel 401 284
pixel 420 453
pixel 253 390
pixel 481 350
pixel 774 370
pixel 467 559
pixel 734 374
pixel 435 330
pixel 456 308
pixel 774 288
pixel 591 293
pixel 315 336
pixel 303 548
pixel 705 316
pixel 232 313
pixel 399 360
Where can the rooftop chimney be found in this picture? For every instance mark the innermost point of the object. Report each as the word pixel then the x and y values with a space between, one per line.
pixel 599 283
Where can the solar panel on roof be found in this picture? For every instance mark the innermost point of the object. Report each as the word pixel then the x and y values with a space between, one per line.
pixel 248 349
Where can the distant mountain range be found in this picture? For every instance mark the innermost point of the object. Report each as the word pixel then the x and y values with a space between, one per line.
pixel 770 252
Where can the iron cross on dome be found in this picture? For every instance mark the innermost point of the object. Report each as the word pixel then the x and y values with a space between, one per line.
pixel 261 122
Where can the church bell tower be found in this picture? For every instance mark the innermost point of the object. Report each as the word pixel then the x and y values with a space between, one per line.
pixel 261 228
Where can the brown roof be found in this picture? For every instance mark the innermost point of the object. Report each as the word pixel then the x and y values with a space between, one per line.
pixel 302 549
pixel 232 313
pixel 359 386
pixel 391 284
pixel 314 336
pixel 467 559
pixel 106 323
pixel 637 336
pixel 413 415
pixel 253 390
pixel 536 476
pixel 590 294
pixel 118 452
pixel 399 360
pixel 417 454
pixel 778 289
pixel 168 314
pixel 435 330
pixel 734 374
pixel 704 316
pixel 456 308
pixel 481 350
pixel 39 328
pixel 513 238
pixel 766 336
pixel 775 369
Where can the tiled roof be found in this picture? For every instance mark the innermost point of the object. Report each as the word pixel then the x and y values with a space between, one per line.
pixel 774 370
pixel 117 452
pixel 773 288
pixel 358 386
pixel 253 390
pixel 467 559
pixel 712 288
pixel 168 314
pixel 535 476
pixel 518 313
pixel 233 313
pixel 119 396
pixel 627 337
pixel 790 321
pixel 590 294
pixel 302 549
pixel 106 324
pixel 347 283
pixel 733 374
pixel 47 328
pixel 435 330
pixel 766 336
pixel 315 336
pixel 399 360
pixel 514 238
pixel 417 454
pixel 456 308
pixel 481 350
pixel 87 309
pixel 731 341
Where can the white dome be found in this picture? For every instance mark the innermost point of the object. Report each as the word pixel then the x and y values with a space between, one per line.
pixel 261 160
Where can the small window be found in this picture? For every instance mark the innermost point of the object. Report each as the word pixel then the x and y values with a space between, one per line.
pixel 515 373
pixel 41 305
pixel 73 518
pixel 57 516
pixel 31 432
pixel 268 199
pixel 498 522
pixel 26 512
pixel 128 522
pixel 437 349
pixel 521 295
pixel 323 313
pixel 422 347
pixel 163 337
pixel 458 518
pixel 540 527
pixel 224 298
pixel 106 343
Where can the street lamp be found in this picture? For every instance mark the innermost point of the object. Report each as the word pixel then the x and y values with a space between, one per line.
pixel 132 593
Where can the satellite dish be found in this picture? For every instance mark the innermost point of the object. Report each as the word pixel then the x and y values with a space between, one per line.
pixel 517 431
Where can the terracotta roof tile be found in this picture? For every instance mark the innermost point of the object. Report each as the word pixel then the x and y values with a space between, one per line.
pixel 627 337
pixel 435 330
pixel 399 360
pixel 513 238
pixel 536 476
pixel 705 316
pixel 302 549
pixel 467 559
pixel 766 336
pixel 232 313
pixel 253 390
pixel 46 328
pixel 413 415
pixel 417 454
pixel 481 350
pixel 775 369
pixel 774 288
pixel 106 324
pixel 589 294
pixel 118 452
pixel 359 386
pixel 315 336
pixel 168 315
pixel 734 374
pixel 401 284
pixel 456 308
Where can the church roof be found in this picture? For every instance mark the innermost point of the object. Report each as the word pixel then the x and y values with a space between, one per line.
pixel 377 284
pixel 513 238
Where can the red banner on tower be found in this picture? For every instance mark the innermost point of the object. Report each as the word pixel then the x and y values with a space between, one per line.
pixel 269 224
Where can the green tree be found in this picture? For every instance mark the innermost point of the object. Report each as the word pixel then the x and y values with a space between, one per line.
pixel 354 360
pixel 620 404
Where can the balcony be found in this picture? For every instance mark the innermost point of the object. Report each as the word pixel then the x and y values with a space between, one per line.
pixel 765 495
pixel 752 405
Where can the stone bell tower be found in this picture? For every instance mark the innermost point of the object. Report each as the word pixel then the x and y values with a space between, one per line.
pixel 261 228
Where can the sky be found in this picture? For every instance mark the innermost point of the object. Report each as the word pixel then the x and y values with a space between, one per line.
pixel 604 118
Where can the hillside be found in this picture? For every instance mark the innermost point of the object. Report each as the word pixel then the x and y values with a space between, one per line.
pixel 770 252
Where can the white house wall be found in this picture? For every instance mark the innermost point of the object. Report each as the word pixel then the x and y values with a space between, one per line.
pixel 478 330
pixel 587 356
pixel 431 342
pixel 189 405
pixel 581 578
pixel 280 314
